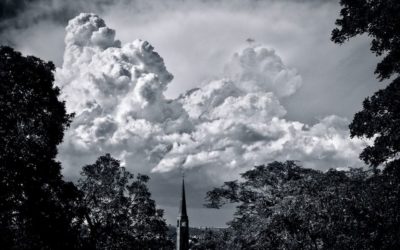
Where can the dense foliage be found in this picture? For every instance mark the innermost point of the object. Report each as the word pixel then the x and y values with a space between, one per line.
pixel 285 206
pixel 120 211
pixel 381 21
pixel 36 205
pixel 379 118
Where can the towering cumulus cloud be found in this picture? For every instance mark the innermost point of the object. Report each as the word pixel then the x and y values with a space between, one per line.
pixel 117 96
pixel 235 122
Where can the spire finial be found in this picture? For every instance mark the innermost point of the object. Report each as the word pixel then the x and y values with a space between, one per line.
pixel 182 171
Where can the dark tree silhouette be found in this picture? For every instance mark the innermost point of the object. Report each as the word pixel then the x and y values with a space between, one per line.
pixel 381 113
pixel 381 21
pixel 120 211
pixel 36 205
pixel 285 206
pixel 380 119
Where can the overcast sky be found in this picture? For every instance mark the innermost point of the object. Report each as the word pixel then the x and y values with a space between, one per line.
pixel 289 94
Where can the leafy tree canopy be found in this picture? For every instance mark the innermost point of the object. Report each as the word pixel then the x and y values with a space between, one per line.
pixel 285 206
pixel 120 211
pixel 380 119
pixel 381 21
pixel 36 206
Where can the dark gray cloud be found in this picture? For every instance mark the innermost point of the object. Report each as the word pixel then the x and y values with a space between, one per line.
pixel 11 8
pixel 25 12
pixel 22 14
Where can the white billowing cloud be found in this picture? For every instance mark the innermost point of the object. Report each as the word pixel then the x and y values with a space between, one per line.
pixel 116 93
pixel 224 126
pixel 259 69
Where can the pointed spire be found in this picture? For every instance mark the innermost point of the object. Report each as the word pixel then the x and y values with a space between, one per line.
pixel 182 208
pixel 182 229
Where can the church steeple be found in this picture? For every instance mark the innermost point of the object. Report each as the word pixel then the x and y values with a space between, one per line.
pixel 182 227
pixel 182 208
